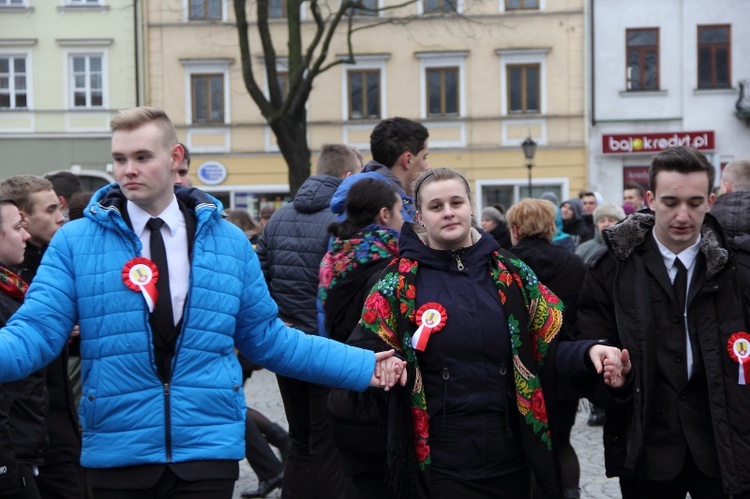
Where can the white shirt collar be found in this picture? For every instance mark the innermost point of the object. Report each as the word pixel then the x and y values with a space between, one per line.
pixel 172 216
pixel 687 256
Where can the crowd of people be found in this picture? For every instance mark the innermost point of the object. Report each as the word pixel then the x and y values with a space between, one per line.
pixel 423 348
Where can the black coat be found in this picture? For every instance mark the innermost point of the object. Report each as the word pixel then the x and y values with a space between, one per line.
pixel 64 436
pixel 557 268
pixel 627 299
pixel 23 405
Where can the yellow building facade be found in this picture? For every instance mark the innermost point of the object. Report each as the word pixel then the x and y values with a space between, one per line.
pixel 66 67
pixel 481 75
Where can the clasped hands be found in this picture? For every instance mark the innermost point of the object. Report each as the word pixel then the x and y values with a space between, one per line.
pixel 612 363
pixel 389 369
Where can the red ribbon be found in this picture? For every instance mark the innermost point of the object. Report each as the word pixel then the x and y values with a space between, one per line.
pixel 738 347
pixel 140 274
pixel 431 318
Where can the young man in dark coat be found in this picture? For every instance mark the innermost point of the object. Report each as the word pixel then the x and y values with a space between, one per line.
pixel 671 291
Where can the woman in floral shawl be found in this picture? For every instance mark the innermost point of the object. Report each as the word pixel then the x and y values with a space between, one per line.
pixel 478 331
pixel 364 243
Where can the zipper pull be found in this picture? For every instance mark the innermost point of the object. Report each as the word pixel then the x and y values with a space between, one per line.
pixel 459 263
pixel 166 389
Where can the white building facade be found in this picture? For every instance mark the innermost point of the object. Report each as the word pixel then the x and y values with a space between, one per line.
pixel 664 73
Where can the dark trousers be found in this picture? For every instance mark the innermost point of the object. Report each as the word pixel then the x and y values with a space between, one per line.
pixel 313 468
pixel 690 479
pixel 512 486
pixel 170 486
pixel 259 455
pixel 29 490
pixel 64 480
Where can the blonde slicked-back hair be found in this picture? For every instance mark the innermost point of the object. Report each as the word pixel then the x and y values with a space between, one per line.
pixel 533 218
pixel 135 117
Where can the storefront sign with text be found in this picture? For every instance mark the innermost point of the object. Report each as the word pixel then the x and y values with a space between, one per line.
pixel 655 142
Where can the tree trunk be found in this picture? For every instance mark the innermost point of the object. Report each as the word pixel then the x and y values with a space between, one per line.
pixel 291 136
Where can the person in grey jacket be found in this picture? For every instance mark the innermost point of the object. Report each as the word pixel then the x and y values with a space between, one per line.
pixel 290 250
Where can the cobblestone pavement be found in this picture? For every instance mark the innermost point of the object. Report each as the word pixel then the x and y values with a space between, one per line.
pixel 263 394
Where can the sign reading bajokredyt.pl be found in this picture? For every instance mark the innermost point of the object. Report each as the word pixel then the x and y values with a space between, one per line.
pixel 627 143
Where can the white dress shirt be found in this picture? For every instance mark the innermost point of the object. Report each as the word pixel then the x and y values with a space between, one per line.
pixel 174 233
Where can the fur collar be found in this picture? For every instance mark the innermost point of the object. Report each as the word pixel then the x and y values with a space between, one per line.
pixel 623 239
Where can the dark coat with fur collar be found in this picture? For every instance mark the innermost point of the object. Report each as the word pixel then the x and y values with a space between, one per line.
pixel 627 299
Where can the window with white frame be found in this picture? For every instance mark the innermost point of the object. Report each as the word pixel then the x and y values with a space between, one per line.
pixel 521 4
pixel 443 89
pixel 14 82
pixel 440 6
pixel 523 81
pixel 364 93
pixel 509 192
pixel 364 85
pixel 207 91
pixel 365 8
pixel 523 88
pixel 276 8
pixel 13 3
pixel 87 88
pixel 205 10
pixel 84 2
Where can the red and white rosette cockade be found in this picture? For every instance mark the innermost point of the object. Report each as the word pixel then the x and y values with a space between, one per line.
pixel 739 350
pixel 431 318
pixel 141 274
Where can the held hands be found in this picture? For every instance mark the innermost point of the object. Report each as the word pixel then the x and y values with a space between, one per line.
pixel 388 370
pixel 612 363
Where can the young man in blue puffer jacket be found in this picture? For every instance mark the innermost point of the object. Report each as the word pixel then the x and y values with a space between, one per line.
pixel 163 406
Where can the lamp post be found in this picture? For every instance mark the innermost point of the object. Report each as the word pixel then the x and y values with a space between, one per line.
pixel 529 148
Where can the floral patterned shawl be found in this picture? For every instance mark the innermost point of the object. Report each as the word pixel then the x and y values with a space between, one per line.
pixel 346 255
pixel 534 316
pixel 11 284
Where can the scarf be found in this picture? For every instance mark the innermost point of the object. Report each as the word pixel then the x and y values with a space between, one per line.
pixel 534 316
pixel 372 243
pixel 11 285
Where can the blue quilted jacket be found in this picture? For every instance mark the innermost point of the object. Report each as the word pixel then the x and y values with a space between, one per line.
pixel 129 416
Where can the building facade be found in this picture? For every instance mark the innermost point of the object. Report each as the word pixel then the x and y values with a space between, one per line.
pixel 665 73
pixel 481 75
pixel 65 67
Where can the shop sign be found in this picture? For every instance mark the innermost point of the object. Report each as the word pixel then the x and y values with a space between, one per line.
pixel 655 142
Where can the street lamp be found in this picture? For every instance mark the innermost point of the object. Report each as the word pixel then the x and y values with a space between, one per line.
pixel 529 148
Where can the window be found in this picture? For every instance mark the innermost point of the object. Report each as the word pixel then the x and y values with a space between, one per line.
pixel 277 8
pixel 523 88
pixel 83 2
pixel 521 4
pixel 442 92
pixel 13 82
pixel 364 94
pixel 440 6
pixel 208 98
pixel 369 8
pixel 12 3
pixel 643 59
pixel 87 80
pixel 205 10
pixel 509 192
pixel 714 60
